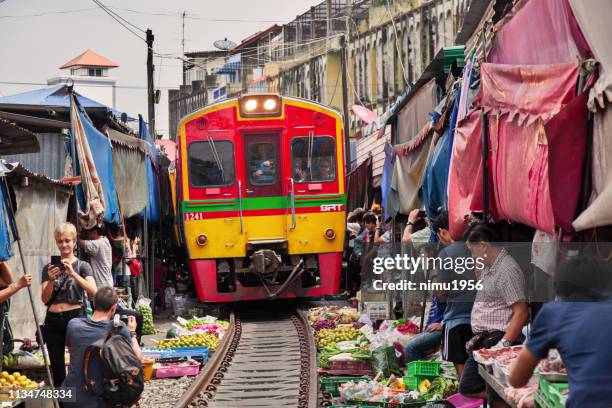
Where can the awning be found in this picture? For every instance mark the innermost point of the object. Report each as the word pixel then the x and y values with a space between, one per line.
pixel 35 123
pixel 231 66
pixel 15 139
pixel 131 142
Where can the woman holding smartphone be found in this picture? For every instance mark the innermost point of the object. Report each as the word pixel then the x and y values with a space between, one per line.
pixel 66 283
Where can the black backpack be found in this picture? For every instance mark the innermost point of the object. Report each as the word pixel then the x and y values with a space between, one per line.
pixel 123 372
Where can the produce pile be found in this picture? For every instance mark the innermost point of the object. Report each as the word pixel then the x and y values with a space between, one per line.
pixel 329 337
pixel 331 353
pixel 406 327
pixel 374 391
pixel 23 359
pixel 16 380
pixel 191 340
pixel 144 307
pixel 196 323
pixel 339 315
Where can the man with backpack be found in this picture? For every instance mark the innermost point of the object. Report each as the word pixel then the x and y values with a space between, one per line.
pixel 91 340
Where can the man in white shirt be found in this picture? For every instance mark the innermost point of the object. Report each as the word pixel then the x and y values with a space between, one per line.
pixel 100 253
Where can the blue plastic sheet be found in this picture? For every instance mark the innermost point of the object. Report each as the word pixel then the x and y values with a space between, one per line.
pixel 103 159
pixel 153 205
pixel 385 183
pixel 5 240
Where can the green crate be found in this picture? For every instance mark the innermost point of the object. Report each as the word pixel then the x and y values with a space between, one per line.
pixel 551 392
pixel 412 381
pixel 424 368
pixel 331 385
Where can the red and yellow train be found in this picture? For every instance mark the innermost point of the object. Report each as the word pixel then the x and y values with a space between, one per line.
pixel 261 198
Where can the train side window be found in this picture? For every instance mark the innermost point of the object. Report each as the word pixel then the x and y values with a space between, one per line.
pixel 262 163
pixel 313 159
pixel 211 163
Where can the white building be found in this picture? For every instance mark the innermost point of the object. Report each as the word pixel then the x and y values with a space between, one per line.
pixel 90 74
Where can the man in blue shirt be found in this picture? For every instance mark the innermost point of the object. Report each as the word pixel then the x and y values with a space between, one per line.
pixel 83 332
pixel 580 328
pixel 456 323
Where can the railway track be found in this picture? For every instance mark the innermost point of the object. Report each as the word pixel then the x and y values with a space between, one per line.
pixel 266 359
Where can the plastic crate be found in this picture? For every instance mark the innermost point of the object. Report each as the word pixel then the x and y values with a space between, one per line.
pixel 412 381
pixel 175 370
pixel 155 353
pixel 330 385
pixel 427 368
pixel 551 392
pixel 414 404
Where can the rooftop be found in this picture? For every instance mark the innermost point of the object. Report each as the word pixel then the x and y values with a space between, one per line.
pixel 89 59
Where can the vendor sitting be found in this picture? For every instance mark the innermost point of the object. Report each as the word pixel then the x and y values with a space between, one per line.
pixel 580 328
pixel 427 342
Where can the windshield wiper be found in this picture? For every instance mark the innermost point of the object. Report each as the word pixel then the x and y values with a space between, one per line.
pixel 211 142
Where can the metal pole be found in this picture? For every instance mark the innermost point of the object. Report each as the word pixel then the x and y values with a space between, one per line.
pixel 345 109
pixel 150 87
pixel 485 141
pixel 39 336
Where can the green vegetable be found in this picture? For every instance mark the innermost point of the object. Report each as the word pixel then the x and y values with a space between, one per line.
pixel 147 319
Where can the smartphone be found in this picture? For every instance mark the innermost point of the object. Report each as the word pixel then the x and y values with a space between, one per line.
pixel 57 261
pixel 422 214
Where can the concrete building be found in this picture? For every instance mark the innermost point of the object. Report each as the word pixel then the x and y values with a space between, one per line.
pixel 90 74
pixel 388 43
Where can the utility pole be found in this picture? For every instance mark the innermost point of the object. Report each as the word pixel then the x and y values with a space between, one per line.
pixel 345 102
pixel 150 87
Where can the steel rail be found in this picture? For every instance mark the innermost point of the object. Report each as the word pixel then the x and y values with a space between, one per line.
pixel 214 365
pixel 269 358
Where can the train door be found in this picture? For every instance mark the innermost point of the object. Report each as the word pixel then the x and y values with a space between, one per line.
pixel 264 200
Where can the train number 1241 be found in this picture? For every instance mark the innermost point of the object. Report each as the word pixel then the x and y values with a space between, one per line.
pixel 194 216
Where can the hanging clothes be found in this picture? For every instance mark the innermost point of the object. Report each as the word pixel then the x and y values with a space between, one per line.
pixel 92 212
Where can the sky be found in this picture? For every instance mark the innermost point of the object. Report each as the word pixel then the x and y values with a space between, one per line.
pixel 38 36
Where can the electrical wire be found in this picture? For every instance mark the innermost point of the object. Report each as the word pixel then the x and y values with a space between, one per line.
pixel 118 20
pixel 399 53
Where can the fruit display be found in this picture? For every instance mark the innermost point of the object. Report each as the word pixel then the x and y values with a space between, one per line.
pixel 323 324
pixel 191 340
pixel 23 359
pixel 194 323
pixel 16 380
pixel 329 337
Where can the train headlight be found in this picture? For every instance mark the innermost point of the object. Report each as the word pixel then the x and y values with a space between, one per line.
pixel 260 105
pixel 250 105
pixel 330 234
pixel 201 240
pixel 270 104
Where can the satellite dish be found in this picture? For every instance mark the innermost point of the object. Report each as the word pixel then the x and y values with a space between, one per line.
pixel 224 45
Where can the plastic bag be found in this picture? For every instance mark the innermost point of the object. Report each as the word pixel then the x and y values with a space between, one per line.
pixel 144 307
pixel 385 361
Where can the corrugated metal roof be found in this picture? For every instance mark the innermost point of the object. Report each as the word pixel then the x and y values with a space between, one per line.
pixel 376 148
pixel 51 159
pixel 15 139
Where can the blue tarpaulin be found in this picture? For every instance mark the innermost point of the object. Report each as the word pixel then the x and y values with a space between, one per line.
pixel 385 183
pixel 5 240
pixel 436 173
pixel 56 96
pixel 153 204
pixel 100 147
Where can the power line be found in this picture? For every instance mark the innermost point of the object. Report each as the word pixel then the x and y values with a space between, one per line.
pixel 110 13
pixel 49 13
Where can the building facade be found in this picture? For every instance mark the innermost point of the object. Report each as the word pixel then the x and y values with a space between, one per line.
pixel 388 45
